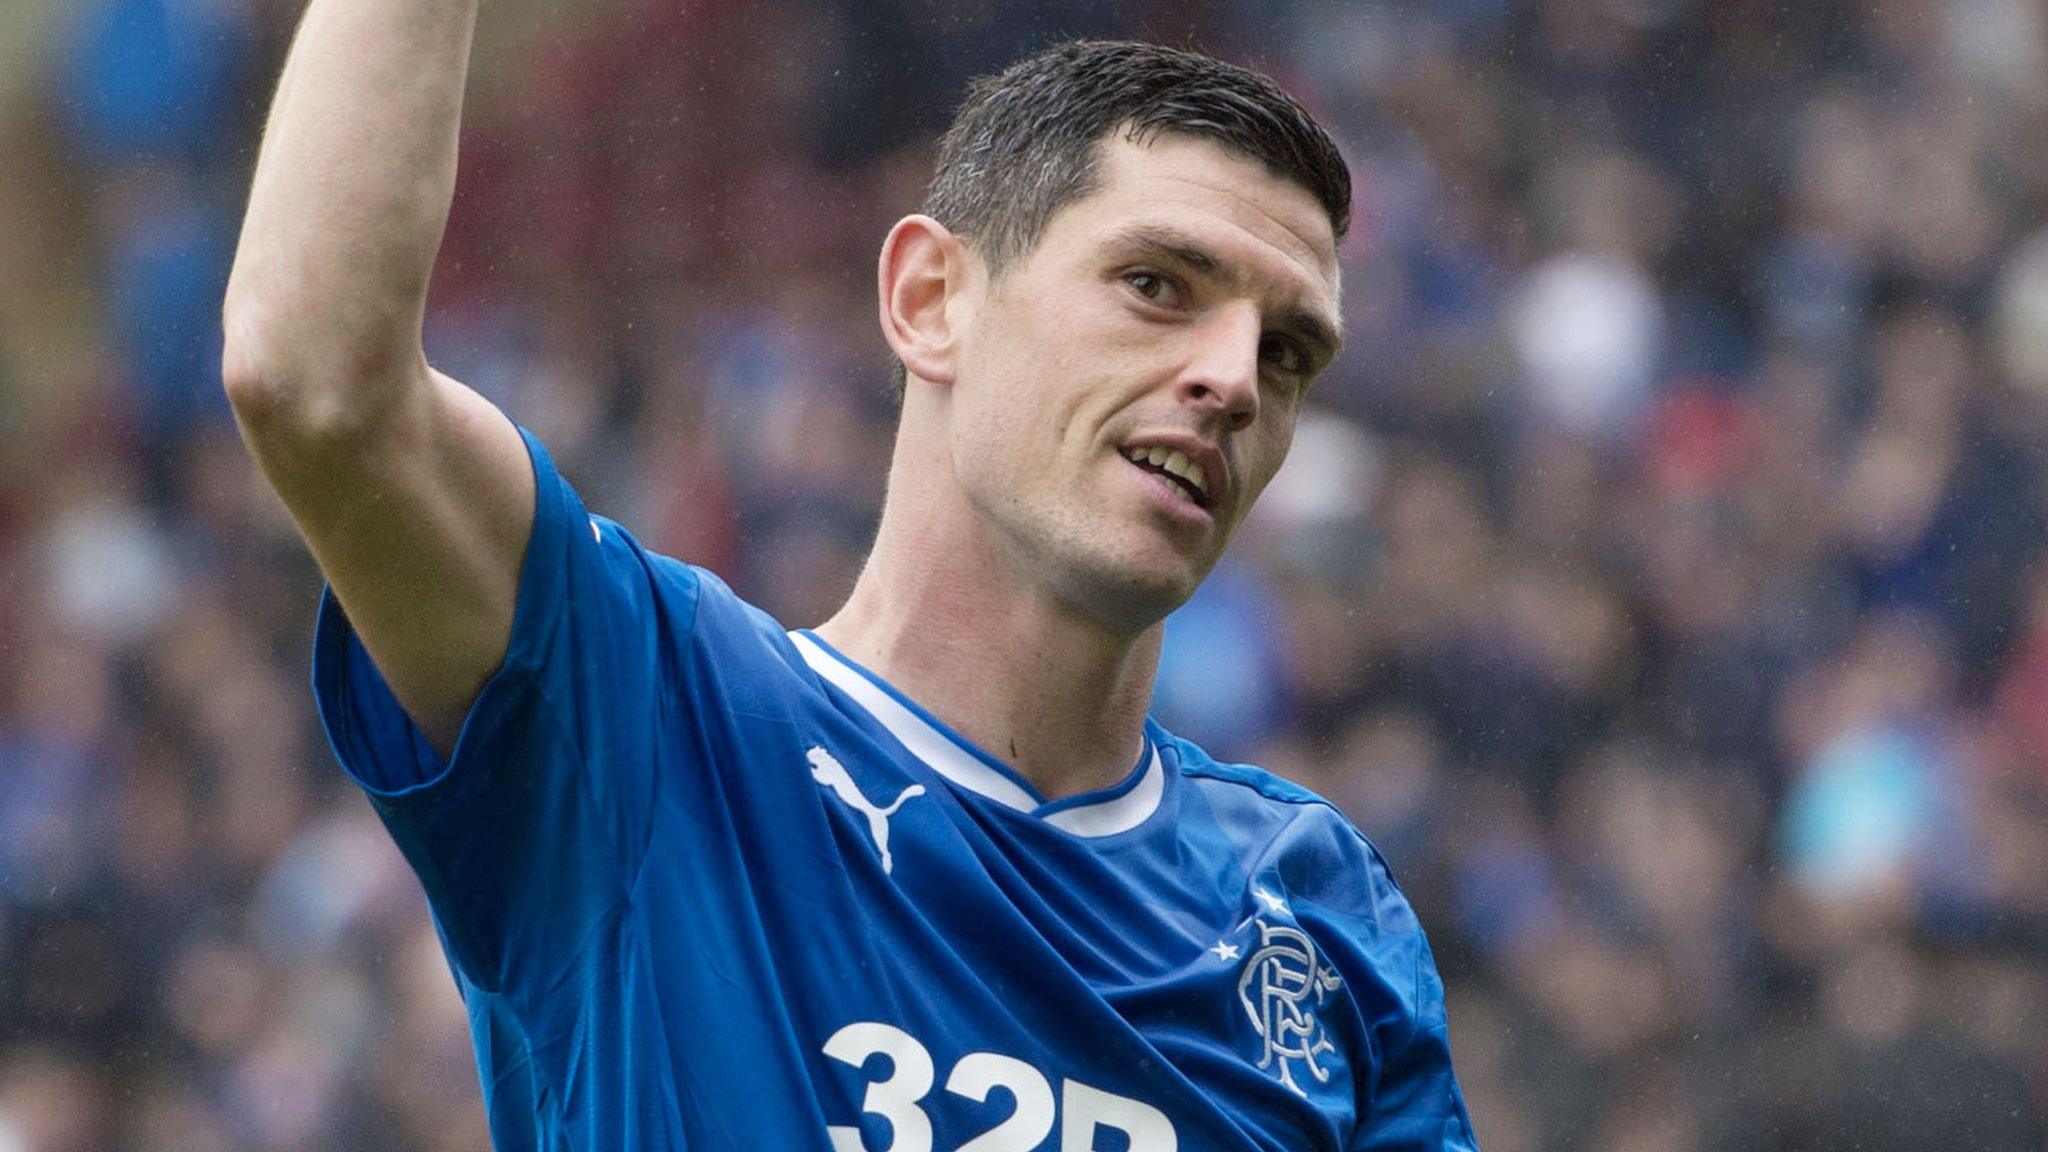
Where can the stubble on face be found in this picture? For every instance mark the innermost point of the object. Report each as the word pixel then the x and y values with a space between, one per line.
pixel 1063 366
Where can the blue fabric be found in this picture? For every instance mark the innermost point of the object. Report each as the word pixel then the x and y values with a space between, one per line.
pixel 673 931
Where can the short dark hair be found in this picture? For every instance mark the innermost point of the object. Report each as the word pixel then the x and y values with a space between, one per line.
pixel 1025 141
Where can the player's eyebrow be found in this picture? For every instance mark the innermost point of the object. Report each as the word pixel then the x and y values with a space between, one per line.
pixel 1171 244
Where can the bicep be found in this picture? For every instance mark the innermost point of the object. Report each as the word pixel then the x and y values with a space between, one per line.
pixel 419 524
pixel 528 831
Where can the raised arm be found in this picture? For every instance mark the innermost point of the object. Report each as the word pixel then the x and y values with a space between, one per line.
pixel 414 493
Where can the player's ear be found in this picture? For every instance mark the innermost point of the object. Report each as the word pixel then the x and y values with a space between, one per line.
pixel 924 274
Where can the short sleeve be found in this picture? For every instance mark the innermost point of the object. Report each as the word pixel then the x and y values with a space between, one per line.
pixel 1415 1104
pixel 526 839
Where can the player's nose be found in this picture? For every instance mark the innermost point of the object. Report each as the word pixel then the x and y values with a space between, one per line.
pixel 1222 371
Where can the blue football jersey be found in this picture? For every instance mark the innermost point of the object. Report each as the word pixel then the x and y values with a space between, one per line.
pixel 708 884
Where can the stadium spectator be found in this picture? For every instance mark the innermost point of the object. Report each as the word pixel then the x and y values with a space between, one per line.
pixel 1691 659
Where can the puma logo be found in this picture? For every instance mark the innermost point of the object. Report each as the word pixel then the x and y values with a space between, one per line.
pixel 832 774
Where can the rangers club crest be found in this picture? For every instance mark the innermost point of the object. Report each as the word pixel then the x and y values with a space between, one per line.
pixel 1282 986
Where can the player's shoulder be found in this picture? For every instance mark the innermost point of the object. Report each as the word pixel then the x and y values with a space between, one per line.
pixel 712 632
pixel 1306 834
pixel 1249 791
pixel 713 597
pixel 1256 785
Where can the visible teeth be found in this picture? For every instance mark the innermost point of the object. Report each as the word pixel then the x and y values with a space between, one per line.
pixel 1178 463
pixel 1171 460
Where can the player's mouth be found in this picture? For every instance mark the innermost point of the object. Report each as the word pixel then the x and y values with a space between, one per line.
pixel 1179 469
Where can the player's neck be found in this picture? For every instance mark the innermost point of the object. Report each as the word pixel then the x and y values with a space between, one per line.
pixel 1056 696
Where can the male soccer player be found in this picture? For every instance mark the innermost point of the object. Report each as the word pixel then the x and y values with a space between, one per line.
pixel 924 878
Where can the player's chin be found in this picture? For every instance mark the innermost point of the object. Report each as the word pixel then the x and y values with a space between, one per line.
pixel 1139 586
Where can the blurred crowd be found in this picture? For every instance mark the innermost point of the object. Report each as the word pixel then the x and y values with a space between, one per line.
pixel 1660 580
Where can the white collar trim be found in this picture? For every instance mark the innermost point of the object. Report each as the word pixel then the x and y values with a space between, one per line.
pixel 945 756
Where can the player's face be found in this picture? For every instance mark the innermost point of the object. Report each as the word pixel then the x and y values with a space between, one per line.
pixel 1128 388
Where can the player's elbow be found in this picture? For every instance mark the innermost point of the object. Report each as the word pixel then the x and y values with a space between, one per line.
pixel 247 372
pixel 286 379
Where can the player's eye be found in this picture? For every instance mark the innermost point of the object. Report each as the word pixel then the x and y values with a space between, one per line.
pixel 1153 286
pixel 1286 354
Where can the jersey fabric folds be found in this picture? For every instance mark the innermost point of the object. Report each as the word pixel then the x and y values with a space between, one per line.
pixel 706 884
